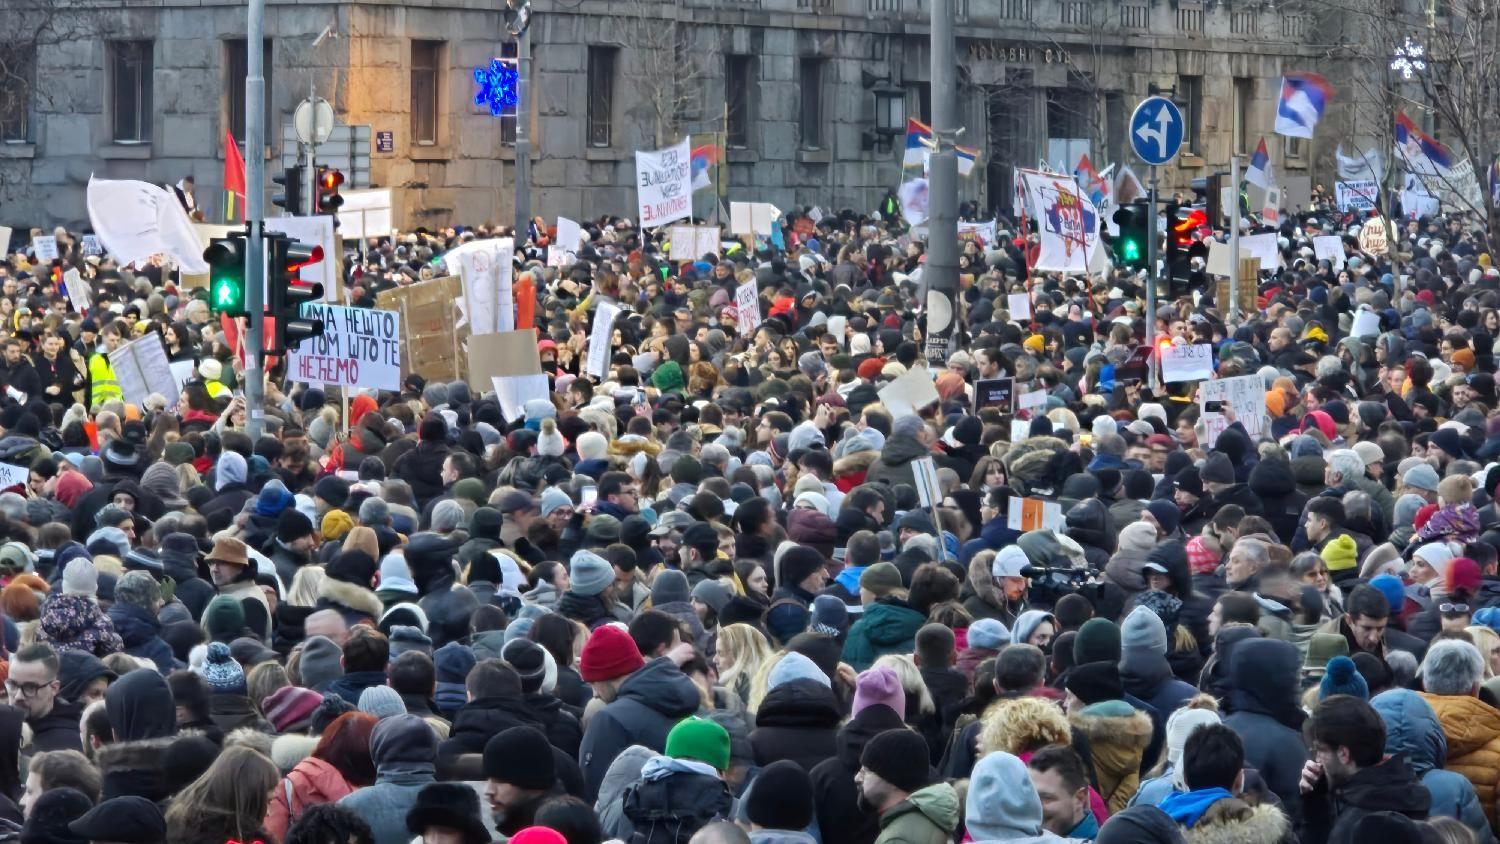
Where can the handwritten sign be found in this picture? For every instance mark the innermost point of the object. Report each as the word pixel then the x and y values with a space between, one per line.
pixel 1357 195
pixel 11 475
pixel 45 247
pixel 1264 247
pixel 599 339
pixel 1187 363
pixel 1019 305
pixel 747 307
pixel 1246 394
pixel 91 245
pixel 1372 237
pixel 664 184
pixel 359 347
pixel 1329 247
pixel 80 295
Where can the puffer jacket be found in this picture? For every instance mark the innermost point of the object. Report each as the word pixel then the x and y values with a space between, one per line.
pixel 1233 821
pixel 1412 729
pixel 1112 737
pixel 926 816
pixel 648 705
pixel 1472 728
pixel 313 781
pixel 894 464
pixel 74 622
pixel 887 626
pixel 797 720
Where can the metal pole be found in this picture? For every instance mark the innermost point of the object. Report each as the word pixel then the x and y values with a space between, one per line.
pixel 1151 252
pixel 523 136
pixel 1234 242
pixel 941 275
pixel 255 199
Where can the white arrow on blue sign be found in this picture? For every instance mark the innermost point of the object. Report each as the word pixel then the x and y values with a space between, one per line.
pixel 1156 130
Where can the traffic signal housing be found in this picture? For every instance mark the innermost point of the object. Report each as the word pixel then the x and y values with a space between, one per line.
pixel 1183 242
pixel 290 198
pixel 226 275
pixel 288 293
pixel 1129 245
pixel 329 199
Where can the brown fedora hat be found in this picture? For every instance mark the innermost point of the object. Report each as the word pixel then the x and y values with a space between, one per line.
pixel 228 550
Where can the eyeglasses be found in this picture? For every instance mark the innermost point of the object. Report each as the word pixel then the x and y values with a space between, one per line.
pixel 1453 608
pixel 25 689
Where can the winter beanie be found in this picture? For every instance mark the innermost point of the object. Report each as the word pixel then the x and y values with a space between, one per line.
pixel 589 573
pixel 381 701
pixel 608 654
pixel 879 685
pixel 80 578
pixel 900 757
pixel 781 797
pixel 223 675
pixel 699 739
pixel 988 633
pixel 290 708
pixel 1342 677
pixel 1098 641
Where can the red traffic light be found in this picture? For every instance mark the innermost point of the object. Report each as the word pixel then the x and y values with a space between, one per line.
pixel 299 255
pixel 330 179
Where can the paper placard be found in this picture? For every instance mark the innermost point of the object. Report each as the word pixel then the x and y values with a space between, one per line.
pixel 1187 362
pixel 909 393
pixel 1245 393
pixel 1366 323
pixel 747 307
pixel 11 475
pixel 433 333
pixel 1034 398
pixel 924 471
pixel 664 184
pixel 514 391
pixel 1330 247
pixel 366 213
pixel 995 392
pixel 480 264
pixel 359 347
pixel 1372 235
pixel 599 339
pixel 80 295
pixel 141 368
pixel 752 218
pixel 569 235
pixel 45 247
pixel 91 245
pixel 1019 305
pixel 1264 247
pixel 1020 430
pixel 1028 514
pixel 182 372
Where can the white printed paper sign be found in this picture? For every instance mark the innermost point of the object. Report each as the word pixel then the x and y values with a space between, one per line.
pixel 359 347
pixel 599 339
pixel 1187 363
pixel 79 293
pixel 747 307
pixel 1264 247
pixel 664 184
pixel 1246 394
pixel 1366 323
pixel 45 247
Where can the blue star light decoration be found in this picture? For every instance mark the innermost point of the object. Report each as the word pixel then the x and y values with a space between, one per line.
pixel 498 86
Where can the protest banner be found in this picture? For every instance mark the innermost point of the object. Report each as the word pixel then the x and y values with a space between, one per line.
pixel 137 221
pixel 433 333
pixel 994 392
pixel 1019 305
pixel 12 475
pixel 1245 394
pixel 1027 514
pixel 141 368
pixel 479 264
pixel 1187 362
pixel 599 339
pixel 1067 222
pixel 909 393
pixel 664 184
pixel 1359 195
pixel 44 246
pixel 1329 247
pixel 359 347
pixel 980 233
pixel 747 307
pixel 317 230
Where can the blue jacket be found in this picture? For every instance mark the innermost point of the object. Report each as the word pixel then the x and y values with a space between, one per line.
pixel 384 805
pixel 1412 729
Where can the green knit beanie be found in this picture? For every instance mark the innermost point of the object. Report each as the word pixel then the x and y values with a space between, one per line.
pixel 701 740
pixel 1098 640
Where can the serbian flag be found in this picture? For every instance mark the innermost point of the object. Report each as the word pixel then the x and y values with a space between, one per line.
pixel 1259 171
pixel 917 133
pixel 234 181
pixel 967 156
pixel 703 160
pixel 1419 148
pixel 1304 99
pixel 1094 184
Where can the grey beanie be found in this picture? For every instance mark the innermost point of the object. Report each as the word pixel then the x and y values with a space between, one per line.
pixel 670 587
pixel 381 701
pixel 405 638
pixel 590 573
pixel 321 663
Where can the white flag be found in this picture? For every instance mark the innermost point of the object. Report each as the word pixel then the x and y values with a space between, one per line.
pixel 136 220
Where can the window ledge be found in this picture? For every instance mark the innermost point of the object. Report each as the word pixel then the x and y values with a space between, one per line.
pixel 8 150
pixel 741 155
pixel 603 154
pixel 131 152
pixel 1192 160
pixel 433 152
pixel 814 156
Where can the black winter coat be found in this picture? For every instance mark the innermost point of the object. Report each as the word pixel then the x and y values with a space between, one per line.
pixel 834 792
pixel 669 809
pixel 648 705
pixel 422 468
pixel 1387 787
pixel 141 633
pixel 1263 676
pixel 799 721
pixel 1274 484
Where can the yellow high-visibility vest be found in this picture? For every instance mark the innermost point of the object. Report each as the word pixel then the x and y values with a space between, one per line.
pixel 102 383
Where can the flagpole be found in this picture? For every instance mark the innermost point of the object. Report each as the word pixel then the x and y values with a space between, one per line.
pixel 1234 244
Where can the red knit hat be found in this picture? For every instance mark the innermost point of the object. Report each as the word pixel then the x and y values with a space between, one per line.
pixel 609 653
pixel 538 835
pixel 870 369
pixel 1463 577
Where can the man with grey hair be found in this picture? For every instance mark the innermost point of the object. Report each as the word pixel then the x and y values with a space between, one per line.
pixel 133 614
pixel 715 460
pixel 1344 469
pixel 1247 559
pixel 1451 674
pixel 447 516
pixel 911 438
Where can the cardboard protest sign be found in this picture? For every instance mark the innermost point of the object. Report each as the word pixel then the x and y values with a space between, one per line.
pixel 45 247
pixel 359 347
pixel 433 333
pixel 1366 323
pixel 995 392
pixel 599 339
pixel 1263 247
pixel 565 245
pixel 1034 398
pixel 479 263
pixel 1246 394
pixel 1372 237
pixel 664 184
pixel 91 244
pixel 509 361
pixel 909 393
pixel 1186 362
pixel 752 218
pixel 690 243
pixel 366 213
pixel 141 368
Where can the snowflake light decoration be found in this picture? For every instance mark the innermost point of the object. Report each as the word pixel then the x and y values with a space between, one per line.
pixel 498 86
pixel 1409 59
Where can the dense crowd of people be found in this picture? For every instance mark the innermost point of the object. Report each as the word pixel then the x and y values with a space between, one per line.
pixel 703 600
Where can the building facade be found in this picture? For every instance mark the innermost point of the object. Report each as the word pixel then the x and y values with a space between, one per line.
pixel 148 90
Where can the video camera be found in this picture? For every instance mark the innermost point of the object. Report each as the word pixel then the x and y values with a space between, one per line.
pixel 1050 583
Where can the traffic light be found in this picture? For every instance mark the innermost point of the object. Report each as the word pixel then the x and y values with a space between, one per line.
pixel 1183 242
pixel 226 275
pixel 1129 245
pixel 288 293
pixel 329 200
pixel 290 198
pixel 1214 200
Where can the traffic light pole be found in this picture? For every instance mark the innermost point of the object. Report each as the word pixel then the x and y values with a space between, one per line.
pixel 1151 250
pixel 941 276
pixel 1234 242
pixel 255 198
pixel 523 137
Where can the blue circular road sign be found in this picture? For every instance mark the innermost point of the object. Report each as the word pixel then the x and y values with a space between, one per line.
pixel 1156 130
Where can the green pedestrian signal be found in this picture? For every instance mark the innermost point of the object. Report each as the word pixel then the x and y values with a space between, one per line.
pixel 226 275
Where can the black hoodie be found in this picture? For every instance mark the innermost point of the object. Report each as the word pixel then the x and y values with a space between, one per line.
pixel 1274 484
pixel 1387 787
pixel 144 721
pixel 1089 525
pixel 1265 676
pixel 834 791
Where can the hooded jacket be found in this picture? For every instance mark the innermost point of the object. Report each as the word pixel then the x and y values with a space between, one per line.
pixel 927 816
pixel 1144 669
pixel 1225 819
pixel 73 622
pixel 141 633
pixel 1472 729
pixel 894 464
pixel 797 720
pixel 1274 484
pixel 1387 787
pixel 144 720
pixel 840 818
pixel 887 626
pixel 1002 804
pixel 1264 678
pixel 1114 735
pixel 649 703
pixel 403 748
pixel 674 799
pixel 313 781
pixel 1412 729
pixel 981 597
pixel 1089 524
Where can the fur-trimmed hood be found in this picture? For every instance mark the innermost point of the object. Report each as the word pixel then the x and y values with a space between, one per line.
pixel 1233 821
pixel 134 755
pixel 632 444
pixel 853 464
pixel 1108 723
pixel 981 583
pixel 349 596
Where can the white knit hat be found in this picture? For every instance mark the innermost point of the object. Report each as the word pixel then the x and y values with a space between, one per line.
pixel 81 578
pixel 549 443
pixel 592 446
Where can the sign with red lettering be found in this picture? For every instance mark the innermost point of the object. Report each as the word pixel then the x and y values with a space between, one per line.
pixel 664 184
pixel 359 348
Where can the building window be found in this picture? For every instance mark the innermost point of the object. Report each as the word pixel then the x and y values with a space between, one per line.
pixel 1243 23
pixel 1189 16
pixel 1294 26
pixel 1134 16
pixel 1190 100
pixel 130 91
pixel 15 96
pixel 237 70
pixel 810 115
pixel 602 95
pixel 1244 106
pixel 1292 148
pixel 426 87
pixel 1076 12
pixel 739 79
pixel 1014 10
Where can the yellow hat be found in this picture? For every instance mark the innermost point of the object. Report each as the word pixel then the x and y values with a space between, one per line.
pixel 1035 343
pixel 1340 554
pixel 336 524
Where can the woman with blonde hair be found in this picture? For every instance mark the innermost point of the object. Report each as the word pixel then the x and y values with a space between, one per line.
pixel 228 802
pixel 741 651
pixel 1022 726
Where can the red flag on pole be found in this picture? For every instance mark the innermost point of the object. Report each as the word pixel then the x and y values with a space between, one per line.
pixel 234 180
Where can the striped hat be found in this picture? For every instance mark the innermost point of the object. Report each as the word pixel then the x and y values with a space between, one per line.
pixel 290 708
